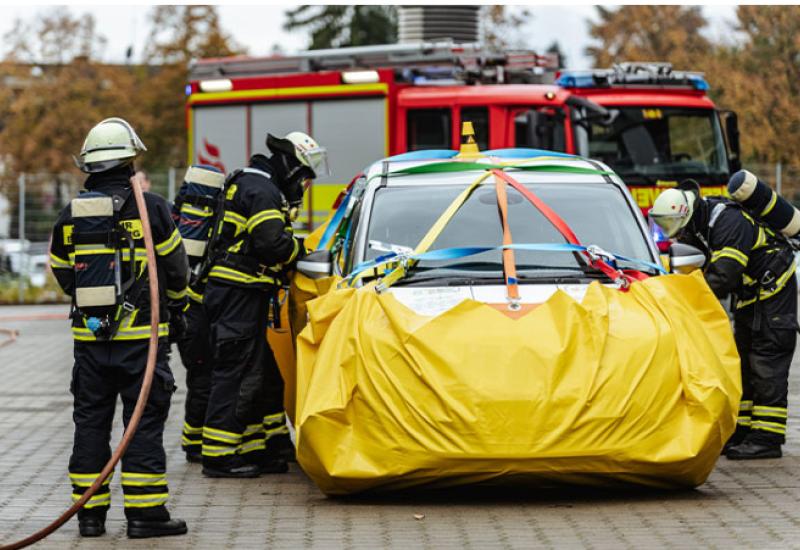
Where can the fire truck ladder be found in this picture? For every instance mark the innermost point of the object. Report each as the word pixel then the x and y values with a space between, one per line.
pixel 440 62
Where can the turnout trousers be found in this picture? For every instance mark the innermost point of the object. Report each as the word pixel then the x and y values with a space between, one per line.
pixel 245 405
pixel 196 356
pixel 765 338
pixel 103 371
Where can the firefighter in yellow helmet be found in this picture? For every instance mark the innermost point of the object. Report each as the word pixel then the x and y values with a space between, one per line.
pixel 746 259
pixel 245 432
pixel 98 258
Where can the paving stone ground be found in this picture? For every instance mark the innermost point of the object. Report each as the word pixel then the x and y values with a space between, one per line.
pixel 743 505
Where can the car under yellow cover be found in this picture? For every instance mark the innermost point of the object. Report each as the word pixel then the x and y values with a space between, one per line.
pixel 638 387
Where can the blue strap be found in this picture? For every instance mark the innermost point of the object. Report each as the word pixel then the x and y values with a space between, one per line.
pixel 463 252
pixel 428 154
pixel 525 153
pixel 333 225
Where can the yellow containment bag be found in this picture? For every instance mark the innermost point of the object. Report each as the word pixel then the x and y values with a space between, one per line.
pixel 638 387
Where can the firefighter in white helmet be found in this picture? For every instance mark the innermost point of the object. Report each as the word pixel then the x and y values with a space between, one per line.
pixel 746 259
pixel 98 258
pixel 245 432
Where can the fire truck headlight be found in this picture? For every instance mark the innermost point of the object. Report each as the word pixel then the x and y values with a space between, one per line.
pixel 360 77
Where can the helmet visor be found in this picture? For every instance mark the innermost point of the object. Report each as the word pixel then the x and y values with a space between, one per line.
pixel 670 223
pixel 317 160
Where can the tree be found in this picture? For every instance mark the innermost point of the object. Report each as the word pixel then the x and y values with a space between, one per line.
pixel 502 30
pixel 648 33
pixel 178 35
pixel 760 79
pixel 342 26
pixel 60 91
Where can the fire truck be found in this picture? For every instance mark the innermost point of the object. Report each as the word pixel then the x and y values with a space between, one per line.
pixel 653 125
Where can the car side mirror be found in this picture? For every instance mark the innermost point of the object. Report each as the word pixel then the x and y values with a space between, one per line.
pixel 316 265
pixel 684 258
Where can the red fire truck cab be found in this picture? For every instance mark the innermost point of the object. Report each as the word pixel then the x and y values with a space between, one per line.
pixel 653 125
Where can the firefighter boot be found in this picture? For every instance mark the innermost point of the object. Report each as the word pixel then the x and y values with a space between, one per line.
pixel 285 448
pixel 232 466
pixel 737 438
pixel 752 450
pixel 155 522
pixel 194 457
pixel 91 523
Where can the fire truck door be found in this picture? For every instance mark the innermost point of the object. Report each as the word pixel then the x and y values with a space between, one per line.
pixel 354 132
pixel 218 136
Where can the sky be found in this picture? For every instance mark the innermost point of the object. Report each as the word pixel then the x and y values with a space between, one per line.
pixel 259 27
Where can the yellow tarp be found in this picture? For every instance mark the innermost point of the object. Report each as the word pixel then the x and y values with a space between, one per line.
pixel 640 387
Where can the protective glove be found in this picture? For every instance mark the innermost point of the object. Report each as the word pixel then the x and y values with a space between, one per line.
pixel 178 325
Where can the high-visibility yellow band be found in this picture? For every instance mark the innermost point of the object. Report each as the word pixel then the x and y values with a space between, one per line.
pixel 773 427
pixel 143 480
pixel 194 295
pixel 86 480
pixel 277 431
pixel 260 217
pixel 58 263
pixel 135 333
pixel 226 273
pixel 189 442
pixel 222 435
pixel 145 501
pixel 192 430
pixel 744 421
pixel 775 412
pixel 250 446
pixel 252 429
pixel 94 501
pixel 176 294
pixel 272 418
pixel 770 205
pixel 187 208
pixel 164 248
pixel 239 221
pixel 746 406
pixel 732 253
pixel 218 450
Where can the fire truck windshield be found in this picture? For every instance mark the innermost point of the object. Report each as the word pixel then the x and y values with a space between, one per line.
pixel 655 142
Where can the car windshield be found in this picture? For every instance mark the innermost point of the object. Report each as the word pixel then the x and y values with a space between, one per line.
pixel 657 141
pixel 597 213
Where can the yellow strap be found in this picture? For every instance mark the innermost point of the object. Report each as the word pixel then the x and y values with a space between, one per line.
pixel 433 233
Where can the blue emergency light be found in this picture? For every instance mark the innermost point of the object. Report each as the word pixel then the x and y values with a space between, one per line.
pixel 630 74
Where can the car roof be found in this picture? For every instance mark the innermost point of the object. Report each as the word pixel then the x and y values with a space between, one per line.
pixel 506 157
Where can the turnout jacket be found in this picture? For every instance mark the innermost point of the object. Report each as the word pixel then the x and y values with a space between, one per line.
pixel 746 258
pixel 256 240
pixel 172 263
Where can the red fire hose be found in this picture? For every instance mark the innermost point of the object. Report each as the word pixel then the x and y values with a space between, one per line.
pixel 144 393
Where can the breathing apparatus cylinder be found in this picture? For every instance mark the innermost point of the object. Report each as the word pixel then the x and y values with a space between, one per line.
pixel 764 203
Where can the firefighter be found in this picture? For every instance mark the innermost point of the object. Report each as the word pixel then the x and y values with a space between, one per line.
pixel 98 258
pixel 245 414
pixel 195 212
pixel 754 264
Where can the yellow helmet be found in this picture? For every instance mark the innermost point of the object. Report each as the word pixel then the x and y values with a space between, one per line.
pixel 672 210
pixel 110 143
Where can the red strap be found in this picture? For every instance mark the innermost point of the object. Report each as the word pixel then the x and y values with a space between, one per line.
pixel 558 222
pixel 546 211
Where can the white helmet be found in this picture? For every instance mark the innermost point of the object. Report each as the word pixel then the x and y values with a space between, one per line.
pixel 113 142
pixel 304 148
pixel 672 210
